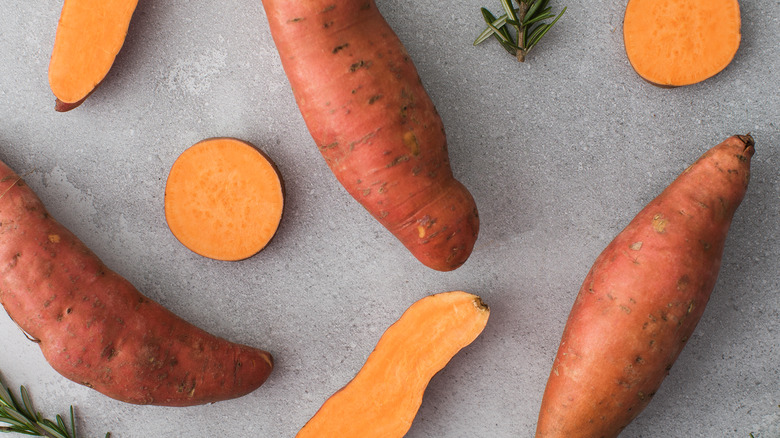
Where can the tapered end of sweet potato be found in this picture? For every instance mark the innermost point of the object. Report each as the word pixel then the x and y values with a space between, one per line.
pixel 749 143
pixel 442 235
pixel 62 107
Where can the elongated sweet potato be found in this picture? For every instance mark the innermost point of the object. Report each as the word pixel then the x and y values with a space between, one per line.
pixel 365 106
pixel 90 34
pixel 642 299
pixel 383 398
pixel 96 329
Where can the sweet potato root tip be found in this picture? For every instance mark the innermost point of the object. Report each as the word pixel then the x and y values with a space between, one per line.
pixel 96 329
pixel 224 199
pixel 384 396
pixel 750 144
pixel 673 43
pixel 365 107
pixel 642 299
pixel 62 107
pixel 89 35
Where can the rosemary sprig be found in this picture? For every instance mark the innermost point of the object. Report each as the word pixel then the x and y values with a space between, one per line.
pixel 22 418
pixel 526 32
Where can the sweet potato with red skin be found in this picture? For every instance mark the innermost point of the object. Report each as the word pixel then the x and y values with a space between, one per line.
pixel 96 329
pixel 642 299
pixel 365 106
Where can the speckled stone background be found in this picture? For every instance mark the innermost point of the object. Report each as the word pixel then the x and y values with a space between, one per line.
pixel 560 153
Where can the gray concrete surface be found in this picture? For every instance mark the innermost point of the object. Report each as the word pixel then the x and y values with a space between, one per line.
pixel 560 153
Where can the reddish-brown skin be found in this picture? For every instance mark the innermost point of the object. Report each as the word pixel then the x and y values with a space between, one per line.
pixel 642 299
pixel 96 329
pixel 366 108
pixel 62 107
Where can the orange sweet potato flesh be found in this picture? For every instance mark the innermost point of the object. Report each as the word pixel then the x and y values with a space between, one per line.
pixel 96 329
pixel 224 199
pixel 89 35
pixel 642 299
pixel 383 398
pixel 365 106
pixel 673 43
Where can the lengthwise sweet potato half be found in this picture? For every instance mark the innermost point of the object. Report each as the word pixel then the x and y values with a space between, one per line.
pixel 89 35
pixel 383 398
pixel 98 330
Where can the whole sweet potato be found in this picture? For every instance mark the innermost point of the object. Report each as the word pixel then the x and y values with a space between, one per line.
pixel 365 107
pixel 642 299
pixel 96 329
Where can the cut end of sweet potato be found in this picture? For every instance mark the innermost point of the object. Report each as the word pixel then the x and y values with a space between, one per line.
pixel 224 199
pixel 672 43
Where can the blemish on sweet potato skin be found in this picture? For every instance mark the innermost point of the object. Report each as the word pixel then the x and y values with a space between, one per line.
pixel 339 48
pixel 96 329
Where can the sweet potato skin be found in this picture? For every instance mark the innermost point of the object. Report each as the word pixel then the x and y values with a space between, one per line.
pixel 365 106
pixel 642 299
pixel 96 329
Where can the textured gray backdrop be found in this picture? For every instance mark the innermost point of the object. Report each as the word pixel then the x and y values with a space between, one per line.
pixel 560 153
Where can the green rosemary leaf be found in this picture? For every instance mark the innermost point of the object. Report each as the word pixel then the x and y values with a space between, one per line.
pixel 538 19
pixel 506 43
pixel 52 431
pixel 535 6
pixel 5 397
pixel 510 10
pixel 28 410
pixel 510 48
pixel 529 20
pixel 16 415
pixel 494 25
pixel 61 423
pixel 500 33
pixel 73 423
pixel 487 33
pixel 18 430
pixel 547 27
pixel 501 36
pixel 488 16
pixel 50 424
pixel 505 32
pixel 14 423
pixel 13 403
pixel 534 34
